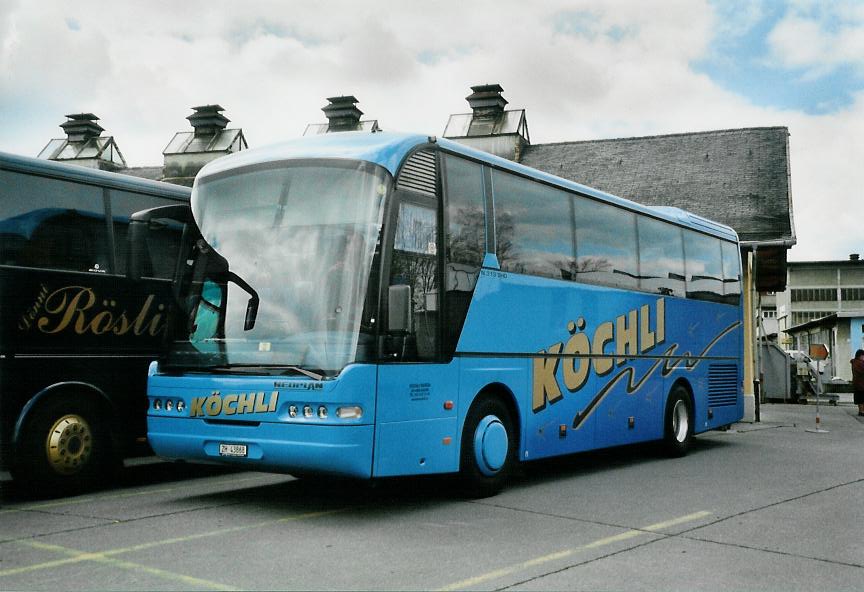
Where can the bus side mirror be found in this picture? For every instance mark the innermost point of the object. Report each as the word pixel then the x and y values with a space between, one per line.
pixel 251 305
pixel 399 317
pixel 251 313
pixel 139 227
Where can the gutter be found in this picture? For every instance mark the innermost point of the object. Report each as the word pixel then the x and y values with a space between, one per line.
pixel 780 242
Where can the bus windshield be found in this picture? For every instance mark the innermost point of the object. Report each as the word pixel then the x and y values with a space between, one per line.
pixel 299 239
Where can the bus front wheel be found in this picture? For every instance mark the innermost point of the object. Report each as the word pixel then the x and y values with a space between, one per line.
pixel 64 448
pixel 678 423
pixel 488 448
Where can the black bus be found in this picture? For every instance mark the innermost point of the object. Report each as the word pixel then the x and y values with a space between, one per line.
pixel 77 336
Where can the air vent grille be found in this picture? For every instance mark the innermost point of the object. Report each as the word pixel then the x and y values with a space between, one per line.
pixel 418 173
pixel 723 385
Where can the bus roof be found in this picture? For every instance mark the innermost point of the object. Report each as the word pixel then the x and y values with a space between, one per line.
pixel 389 149
pixel 60 170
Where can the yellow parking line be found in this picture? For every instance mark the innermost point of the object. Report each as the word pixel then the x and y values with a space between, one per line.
pixel 500 573
pixel 79 556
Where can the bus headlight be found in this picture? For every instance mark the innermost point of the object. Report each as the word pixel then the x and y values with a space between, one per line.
pixel 157 404
pixel 292 411
pixel 354 412
pixel 322 412
pixel 169 405
pixel 307 411
pixel 181 405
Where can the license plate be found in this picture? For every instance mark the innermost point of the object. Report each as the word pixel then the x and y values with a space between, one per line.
pixel 232 450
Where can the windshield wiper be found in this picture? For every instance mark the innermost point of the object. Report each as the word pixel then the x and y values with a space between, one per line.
pixel 244 369
pixel 305 372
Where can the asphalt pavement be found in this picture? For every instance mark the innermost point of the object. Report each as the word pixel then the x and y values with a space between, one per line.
pixel 767 506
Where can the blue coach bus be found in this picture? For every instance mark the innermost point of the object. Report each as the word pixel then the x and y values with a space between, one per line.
pixel 76 337
pixel 377 305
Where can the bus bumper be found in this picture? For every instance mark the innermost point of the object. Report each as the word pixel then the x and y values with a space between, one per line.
pixel 283 448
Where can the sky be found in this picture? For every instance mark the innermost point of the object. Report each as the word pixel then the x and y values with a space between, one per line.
pixel 583 70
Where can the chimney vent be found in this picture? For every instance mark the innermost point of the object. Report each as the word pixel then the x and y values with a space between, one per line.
pixel 486 101
pixel 208 120
pixel 343 114
pixel 854 257
pixel 82 126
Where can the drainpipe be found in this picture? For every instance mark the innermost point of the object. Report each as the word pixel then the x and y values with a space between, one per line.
pixel 757 353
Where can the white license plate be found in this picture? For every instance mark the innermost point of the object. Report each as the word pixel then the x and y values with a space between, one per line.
pixel 232 450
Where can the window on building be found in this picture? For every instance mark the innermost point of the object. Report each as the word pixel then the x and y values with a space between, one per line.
pixel 854 294
pixel 814 294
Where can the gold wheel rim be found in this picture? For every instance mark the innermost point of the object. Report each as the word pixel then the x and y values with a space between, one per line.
pixel 69 445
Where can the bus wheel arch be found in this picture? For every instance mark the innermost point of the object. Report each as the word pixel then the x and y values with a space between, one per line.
pixel 490 442
pixel 678 419
pixel 63 441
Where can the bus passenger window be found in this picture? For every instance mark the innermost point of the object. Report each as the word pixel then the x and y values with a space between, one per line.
pixel 704 265
pixel 38 233
pixel 533 227
pixel 731 273
pixel 605 244
pixel 661 258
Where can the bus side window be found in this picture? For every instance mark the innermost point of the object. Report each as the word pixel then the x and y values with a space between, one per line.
pixel 466 240
pixel 661 258
pixel 731 273
pixel 605 244
pixel 533 227
pixel 704 265
pixel 415 264
pixel 53 224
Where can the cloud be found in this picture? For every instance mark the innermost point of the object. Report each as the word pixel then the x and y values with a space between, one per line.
pixel 819 37
pixel 583 69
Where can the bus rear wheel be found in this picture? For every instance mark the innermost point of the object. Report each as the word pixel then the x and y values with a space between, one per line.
pixel 488 448
pixel 64 449
pixel 678 423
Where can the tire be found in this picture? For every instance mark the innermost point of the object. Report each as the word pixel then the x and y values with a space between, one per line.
pixel 678 423
pixel 65 448
pixel 489 446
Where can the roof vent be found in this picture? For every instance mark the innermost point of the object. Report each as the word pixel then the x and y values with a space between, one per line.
pixel 854 257
pixel 189 151
pixel 487 101
pixel 489 127
pixel 343 116
pixel 82 126
pixel 208 120
pixel 84 145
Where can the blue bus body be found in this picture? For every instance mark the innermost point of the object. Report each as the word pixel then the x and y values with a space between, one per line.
pixel 575 366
